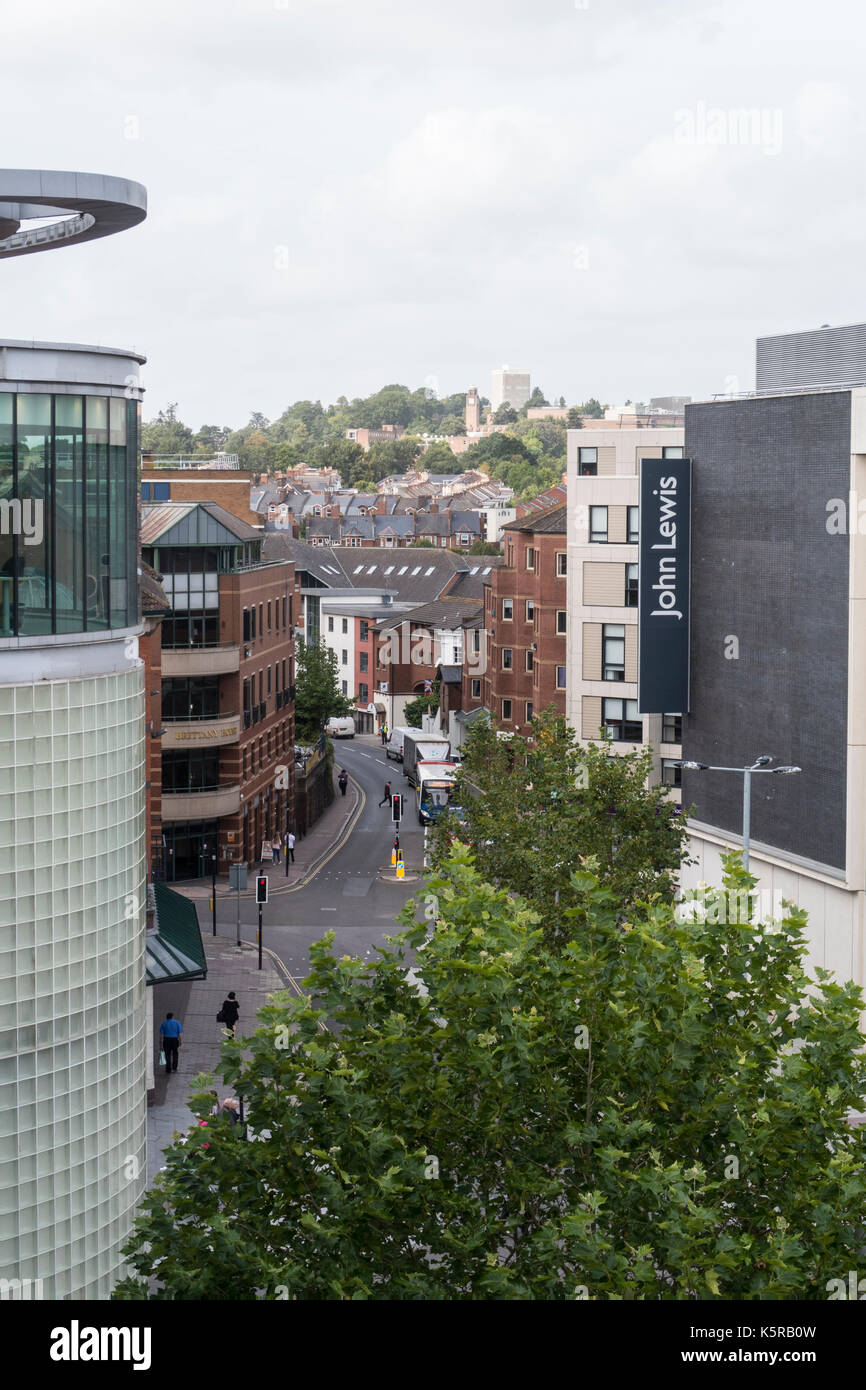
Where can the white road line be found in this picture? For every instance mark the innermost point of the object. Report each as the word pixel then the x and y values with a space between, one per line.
pixel 366 755
pixel 327 909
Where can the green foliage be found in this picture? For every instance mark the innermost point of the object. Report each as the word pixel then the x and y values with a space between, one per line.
pixel 658 1112
pixel 423 704
pixel 532 804
pixel 536 400
pixel 505 414
pixel 451 424
pixel 439 458
pixel 167 434
pixel 593 409
pixel 575 418
pixel 484 548
pixel 317 690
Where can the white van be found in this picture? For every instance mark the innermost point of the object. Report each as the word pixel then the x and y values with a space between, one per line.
pixel 340 728
pixel 394 746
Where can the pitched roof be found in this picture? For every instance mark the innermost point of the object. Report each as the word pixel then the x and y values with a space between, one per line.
pixel 320 563
pixel 153 599
pixel 554 520
pixel 204 520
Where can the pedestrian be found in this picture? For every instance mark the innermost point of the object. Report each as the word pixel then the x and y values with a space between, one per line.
pixel 343 781
pixel 290 846
pixel 275 849
pixel 384 734
pixel 387 796
pixel 228 1014
pixel 169 1031
pixel 230 1106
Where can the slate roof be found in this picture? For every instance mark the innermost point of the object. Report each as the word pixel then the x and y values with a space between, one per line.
pixel 444 613
pixel 554 520
pixel 321 563
pixel 153 599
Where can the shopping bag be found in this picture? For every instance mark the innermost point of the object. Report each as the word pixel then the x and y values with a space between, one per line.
pixel 161 1057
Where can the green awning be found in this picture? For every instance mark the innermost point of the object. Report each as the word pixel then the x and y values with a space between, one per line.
pixel 175 950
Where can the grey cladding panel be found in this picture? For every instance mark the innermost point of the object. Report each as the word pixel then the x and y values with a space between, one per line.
pixel 766 573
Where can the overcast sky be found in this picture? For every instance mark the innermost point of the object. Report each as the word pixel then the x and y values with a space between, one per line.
pixel 344 193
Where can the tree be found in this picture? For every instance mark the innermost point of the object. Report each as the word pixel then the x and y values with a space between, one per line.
pixel 258 421
pixel 167 434
pixel 317 690
pixel 593 409
pixel 423 544
pixel 439 458
pixel 344 455
pixel 658 1113
pixel 211 439
pixel 451 424
pixel 532 804
pixel 505 414
pixel 575 418
pixel 484 548
pixel 536 401
pixel 423 704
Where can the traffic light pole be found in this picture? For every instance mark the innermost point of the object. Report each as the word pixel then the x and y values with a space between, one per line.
pixel 260 936
pixel 213 865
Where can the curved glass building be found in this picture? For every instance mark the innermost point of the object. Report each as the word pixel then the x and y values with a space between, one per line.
pixel 72 851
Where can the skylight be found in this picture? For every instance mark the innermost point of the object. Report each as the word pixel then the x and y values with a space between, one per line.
pixel 389 569
pixel 403 570
pixel 357 569
pixel 416 570
pixel 474 569
pixel 487 570
pixel 431 569
pixel 372 569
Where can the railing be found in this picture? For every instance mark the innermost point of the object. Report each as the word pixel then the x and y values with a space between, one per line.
pixel 191 718
pixel 190 461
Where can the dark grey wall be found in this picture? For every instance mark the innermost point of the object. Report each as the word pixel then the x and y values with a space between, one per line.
pixel 766 571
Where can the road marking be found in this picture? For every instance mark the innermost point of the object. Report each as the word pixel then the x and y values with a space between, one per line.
pixel 327 909
pixel 366 755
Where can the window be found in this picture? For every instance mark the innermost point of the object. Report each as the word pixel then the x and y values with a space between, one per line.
pixel 285 624
pixel 633 525
pixel 269 615
pixel 529 711
pixel 598 525
pixel 506 709
pixel 631 586
pixel 561 564
pixel 344 658
pixel 365 661
pixel 345 688
pixel 672 774
pixel 476 640
pixel 269 681
pixel 613 652
pixel 561 622
pixel 529 660
pixel 672 729
pixel 587 462
pixel 673 451
pixel 365 631
pixel 247 628
pixel 363 693
pixel 145 492
pixel 622 721
pixel 530 557
pixel 464 537
pixel 345 624
pixel 507 658
pixel 530 610
pixel 507 609
pixel 476 690
pixel 560 677
pixel 161 492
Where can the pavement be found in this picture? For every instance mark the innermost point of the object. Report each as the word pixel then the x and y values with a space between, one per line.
pixel 197 1004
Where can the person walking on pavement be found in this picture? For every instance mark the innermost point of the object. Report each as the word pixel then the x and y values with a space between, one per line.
pixel 290 846
pixel 230 1011
pixel 387 795
pixel 275 848
pixel 343 781
pixel 169 1031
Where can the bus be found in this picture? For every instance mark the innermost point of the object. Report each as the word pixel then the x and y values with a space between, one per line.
pixel 433 789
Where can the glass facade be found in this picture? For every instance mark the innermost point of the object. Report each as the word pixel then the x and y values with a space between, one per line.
pixel 73 1031
pixel 68 487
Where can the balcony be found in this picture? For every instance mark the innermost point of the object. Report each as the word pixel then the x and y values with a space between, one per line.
pixel 206 732
pixel 200 661
pixel 221 801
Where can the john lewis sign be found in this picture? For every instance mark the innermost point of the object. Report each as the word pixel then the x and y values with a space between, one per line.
pixel 663 606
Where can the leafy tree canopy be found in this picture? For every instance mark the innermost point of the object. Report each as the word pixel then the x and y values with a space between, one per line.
pixel 317 690
pixel 532 805
pixel 424 704
pixel 657 1112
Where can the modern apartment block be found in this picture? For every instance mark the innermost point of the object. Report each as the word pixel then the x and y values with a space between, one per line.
pixel 778 641
pixel 508 384
pixel 228 679
pixel 603 536
pixel 525 603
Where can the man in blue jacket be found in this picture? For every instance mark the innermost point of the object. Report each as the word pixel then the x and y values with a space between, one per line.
pixel 169 1031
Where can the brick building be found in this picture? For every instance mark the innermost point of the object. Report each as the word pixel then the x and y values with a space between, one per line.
pixel 228 672
pixel 525 612
pixel 228 486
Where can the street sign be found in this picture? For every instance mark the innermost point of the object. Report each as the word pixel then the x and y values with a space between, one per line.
pixel 238 876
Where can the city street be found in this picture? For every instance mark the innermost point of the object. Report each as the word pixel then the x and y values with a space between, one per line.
pixel 345 894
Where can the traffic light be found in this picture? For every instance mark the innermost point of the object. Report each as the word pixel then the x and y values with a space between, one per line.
pixel 396 807
pixel 261 888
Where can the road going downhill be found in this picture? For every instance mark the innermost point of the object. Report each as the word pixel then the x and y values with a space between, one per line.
pixel 345 895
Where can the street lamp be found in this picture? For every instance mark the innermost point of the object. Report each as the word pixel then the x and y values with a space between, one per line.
pixel 759 765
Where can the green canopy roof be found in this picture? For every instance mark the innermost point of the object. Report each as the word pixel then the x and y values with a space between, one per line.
pixel 175 950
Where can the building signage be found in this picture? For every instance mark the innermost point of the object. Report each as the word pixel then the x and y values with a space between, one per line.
pixel 195 735
pixel 663 604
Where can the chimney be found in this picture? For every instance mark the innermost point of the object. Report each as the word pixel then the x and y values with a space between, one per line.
pixel 433 507
pixel 381 505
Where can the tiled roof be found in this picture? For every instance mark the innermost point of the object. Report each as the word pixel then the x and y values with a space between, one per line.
pixel 554 520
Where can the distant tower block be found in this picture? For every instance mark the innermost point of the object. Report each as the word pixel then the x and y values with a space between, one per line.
pixel 473 410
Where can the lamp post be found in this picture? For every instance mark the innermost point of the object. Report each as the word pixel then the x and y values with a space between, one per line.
pixel 759 765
